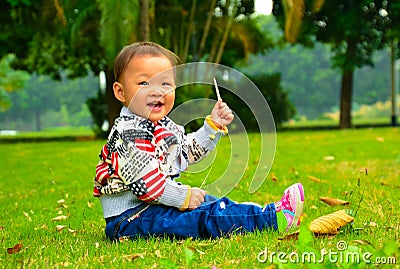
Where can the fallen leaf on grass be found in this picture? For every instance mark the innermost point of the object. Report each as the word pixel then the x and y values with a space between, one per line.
pixel 292 236
pixel 361 242
pixel 15 249
pixel 333 201
pixel 273 177
pixel 134 256
pixel 195 249
pixel 315 179
pixel 329 158
pixel 43 226
pixel 59 218
pixel 27 216
pixel 371 224
pixel 59 228
pixel 71 231
pixel 330 223
pixel 389 185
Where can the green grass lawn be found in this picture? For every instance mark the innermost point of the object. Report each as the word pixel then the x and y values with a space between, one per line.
pixel 42 181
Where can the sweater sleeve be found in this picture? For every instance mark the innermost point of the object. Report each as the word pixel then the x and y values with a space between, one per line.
pixel 202 142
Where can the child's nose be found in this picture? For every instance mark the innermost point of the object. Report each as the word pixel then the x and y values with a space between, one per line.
pixel 159 90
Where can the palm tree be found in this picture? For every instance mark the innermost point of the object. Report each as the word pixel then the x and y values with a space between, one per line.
pixel 118 26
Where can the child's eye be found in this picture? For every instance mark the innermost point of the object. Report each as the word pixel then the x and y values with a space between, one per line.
pixel 144 83
pixel 167 84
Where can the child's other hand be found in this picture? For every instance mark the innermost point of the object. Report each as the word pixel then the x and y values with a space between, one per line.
pixel 221 114
pixel 196 198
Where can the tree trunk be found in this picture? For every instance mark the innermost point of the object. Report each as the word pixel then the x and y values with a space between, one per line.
pixel 144 20
pixel 207 28
pixel 37 118
pixel 393 76
pixel 226 32
pixel 213 49
pixel 189 32
pixel 345 99
pixel 113 105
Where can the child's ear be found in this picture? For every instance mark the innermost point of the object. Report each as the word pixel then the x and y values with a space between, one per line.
pixel 119 92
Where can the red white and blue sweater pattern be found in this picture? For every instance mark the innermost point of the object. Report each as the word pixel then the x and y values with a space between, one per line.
pixel 143 157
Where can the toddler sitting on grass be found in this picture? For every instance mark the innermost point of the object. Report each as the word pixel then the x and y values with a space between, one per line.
pixel 146 152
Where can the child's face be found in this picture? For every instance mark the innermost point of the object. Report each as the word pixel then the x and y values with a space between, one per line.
pixel 147 87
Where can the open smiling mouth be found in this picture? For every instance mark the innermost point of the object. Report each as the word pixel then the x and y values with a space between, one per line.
pixel 155 105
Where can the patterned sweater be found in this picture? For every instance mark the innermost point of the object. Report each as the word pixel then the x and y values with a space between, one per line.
pixel 140 160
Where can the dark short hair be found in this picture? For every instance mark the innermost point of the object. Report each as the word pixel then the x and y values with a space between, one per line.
pixel 144 48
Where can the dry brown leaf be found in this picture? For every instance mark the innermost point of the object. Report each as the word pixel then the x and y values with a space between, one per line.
pixel 329 158
pixel 371 224
pixel 200 251
pixel 60 218
pixel 15 249
pixel 72 231
pixel 333 201
pixel 27 216
pixel 134 256
pixel 315 179
pixel 330 223
pixel 292 236
pixel 362 242
pixel 389 185
pixel 273 177
pixel 59 228
pixel 43 226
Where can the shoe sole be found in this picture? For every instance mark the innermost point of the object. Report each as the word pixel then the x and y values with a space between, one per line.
pixel 299 198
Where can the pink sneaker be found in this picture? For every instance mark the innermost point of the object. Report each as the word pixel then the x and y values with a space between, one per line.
pixel 291 205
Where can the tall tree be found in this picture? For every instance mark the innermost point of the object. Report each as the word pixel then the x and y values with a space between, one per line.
pixel 144 19
pixel 393 38
pixel 354 29
pixel 53 35
pixel 119 26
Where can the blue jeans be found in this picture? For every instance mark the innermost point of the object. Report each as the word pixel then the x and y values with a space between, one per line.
pixel 214 218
